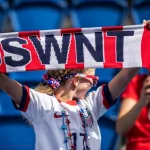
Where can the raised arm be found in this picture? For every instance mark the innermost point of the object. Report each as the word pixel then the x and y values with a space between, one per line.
pixel 129 112
pixel 11 87
pixel 120 81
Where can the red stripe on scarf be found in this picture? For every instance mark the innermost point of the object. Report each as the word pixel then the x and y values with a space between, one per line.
pixel 72 55
pixel 110 48
pixel 145 48
pixel 35 63
pixel 2 64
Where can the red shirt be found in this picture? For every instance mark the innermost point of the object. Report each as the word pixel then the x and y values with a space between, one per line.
pixel 139 136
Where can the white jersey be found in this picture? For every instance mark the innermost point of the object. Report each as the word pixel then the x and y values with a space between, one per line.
pixel 44 112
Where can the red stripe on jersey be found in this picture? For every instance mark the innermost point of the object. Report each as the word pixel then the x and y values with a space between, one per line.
pixel 105 102
pixel 110 48
pixel 35 63
pixel 2 63
pixel 27 100
pixel 145 48
pixel 72 102
pixel 71 62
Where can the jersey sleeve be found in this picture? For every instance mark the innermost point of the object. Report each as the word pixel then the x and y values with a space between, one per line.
pixel 133 90
pixel 100 100
pixel 34 104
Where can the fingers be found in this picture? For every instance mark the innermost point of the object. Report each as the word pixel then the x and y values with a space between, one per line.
pixel 145 93
pixel 147 79
pixel 146 86
pixel 146 23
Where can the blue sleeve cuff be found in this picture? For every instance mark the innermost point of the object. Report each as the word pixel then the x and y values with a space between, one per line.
pixel 24 100
pixel 108 95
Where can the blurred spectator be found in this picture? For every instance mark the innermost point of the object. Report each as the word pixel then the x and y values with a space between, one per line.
pixel 134 116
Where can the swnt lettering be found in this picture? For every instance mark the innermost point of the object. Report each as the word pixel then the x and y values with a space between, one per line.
pixel 94 46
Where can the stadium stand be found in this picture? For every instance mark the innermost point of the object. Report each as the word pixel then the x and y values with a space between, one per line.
pixel 37 14
pixel 4 7
pixel 140 9
pixel 16 134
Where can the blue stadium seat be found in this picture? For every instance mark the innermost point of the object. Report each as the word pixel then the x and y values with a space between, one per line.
pixel 140 10
pixel 15 134
pixel 37 14
pixel 4 7
pixel 6 106
pixel 92 13
pixel 27 77
pixel 110 139
pixel 105 75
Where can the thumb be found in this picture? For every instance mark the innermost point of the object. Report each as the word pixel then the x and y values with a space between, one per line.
pixel 144 22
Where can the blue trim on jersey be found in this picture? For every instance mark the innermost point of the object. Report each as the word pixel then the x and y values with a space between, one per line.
pixel 23 99
pixel 108 95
